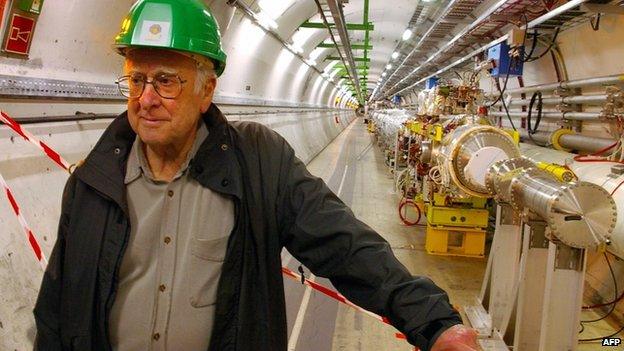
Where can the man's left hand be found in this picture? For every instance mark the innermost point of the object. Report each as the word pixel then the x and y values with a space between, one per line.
pixel 457 338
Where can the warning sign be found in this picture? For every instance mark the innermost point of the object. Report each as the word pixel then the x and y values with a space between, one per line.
pixel 19 34
pixel 2 6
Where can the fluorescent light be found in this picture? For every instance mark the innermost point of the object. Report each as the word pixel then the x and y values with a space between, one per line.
pixel 274 9
pixel 407 34
pixel 265 20
pixel 316 53
pixel 395 55
pixel 388 66
pixel 383 74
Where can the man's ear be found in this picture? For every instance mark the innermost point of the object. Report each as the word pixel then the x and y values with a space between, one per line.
pixel 208 93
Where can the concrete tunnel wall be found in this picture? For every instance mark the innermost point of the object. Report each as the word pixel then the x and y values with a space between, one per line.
pixel 264 83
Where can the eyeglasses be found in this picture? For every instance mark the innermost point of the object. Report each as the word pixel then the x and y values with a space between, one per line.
pixel 167 86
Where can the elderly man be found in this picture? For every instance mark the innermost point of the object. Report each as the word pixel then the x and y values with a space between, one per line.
pixel 171 231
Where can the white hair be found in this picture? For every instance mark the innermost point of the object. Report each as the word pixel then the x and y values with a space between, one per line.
pixel 203 74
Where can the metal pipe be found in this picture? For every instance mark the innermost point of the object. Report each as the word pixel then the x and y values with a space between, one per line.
pixel 580 99
pixel 578 142
pixel 584 143
pixel 340 23
pixel 579 83
pixel 74 118
pixel 577 116
pixel 599 173
pixel 579 214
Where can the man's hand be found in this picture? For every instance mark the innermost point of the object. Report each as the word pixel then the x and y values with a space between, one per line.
pixel 457 338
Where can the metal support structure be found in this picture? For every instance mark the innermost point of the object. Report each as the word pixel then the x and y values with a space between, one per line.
pixel 425 36
pixel 534 23
pixel 332 9
pixel 532 292
pixel 481 19
pixel 550 293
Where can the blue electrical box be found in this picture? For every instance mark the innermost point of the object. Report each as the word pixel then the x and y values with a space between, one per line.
pixel 431 82
pixel 504 63
pixel 396 99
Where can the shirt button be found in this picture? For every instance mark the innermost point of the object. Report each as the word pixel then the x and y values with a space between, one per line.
pixel 225 182
pixel 170 193
pixel 224 147
pixel 156 336
pixel 162 288
pixel 167 240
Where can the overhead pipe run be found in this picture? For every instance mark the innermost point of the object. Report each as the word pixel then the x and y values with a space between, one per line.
pixel 563 100
pixel 424 37
pixel 339 21
pixel 490 11
pixel 577 116
pixel 571 84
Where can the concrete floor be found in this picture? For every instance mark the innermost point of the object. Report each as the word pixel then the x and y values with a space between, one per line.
pixel 353 167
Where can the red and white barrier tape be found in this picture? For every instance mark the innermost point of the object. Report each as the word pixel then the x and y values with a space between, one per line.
pixel 33 140
pixel 338 297
pixel 34 244
pixel 333 294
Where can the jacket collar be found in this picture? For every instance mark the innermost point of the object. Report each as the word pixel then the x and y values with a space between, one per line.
pixel 214 166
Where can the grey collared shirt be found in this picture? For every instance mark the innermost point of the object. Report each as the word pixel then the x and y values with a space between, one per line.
pixel 170 270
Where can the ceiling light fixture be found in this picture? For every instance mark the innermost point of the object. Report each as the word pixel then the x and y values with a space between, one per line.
pixel 395 55
pixel 407 34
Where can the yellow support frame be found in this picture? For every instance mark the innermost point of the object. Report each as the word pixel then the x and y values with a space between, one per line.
pixel 455 241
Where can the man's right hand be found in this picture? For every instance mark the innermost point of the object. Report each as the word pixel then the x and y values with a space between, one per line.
pixel 457 338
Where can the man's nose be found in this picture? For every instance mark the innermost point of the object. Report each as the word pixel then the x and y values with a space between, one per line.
pixel 150 97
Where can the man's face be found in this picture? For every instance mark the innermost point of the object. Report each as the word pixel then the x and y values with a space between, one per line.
pixel 159 121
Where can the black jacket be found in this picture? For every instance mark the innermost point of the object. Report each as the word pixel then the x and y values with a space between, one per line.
pixel 278 203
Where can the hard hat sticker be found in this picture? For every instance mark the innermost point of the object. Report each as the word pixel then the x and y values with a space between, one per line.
pixel 155 33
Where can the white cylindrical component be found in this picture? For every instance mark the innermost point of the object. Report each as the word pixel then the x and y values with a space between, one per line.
pixel 478 165
pixel 581 215
pixel 599 173
pixel 458 149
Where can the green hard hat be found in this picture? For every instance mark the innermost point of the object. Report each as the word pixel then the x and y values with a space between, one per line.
pixel 184 25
